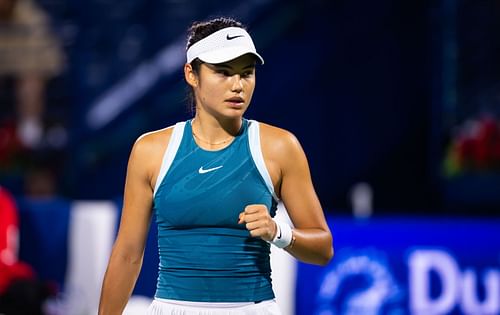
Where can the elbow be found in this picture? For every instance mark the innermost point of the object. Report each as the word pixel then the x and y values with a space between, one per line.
pixel 327 257
pixel 328 252
pixel 325 254
pixel 319 253
pixel 132 259
pixel 127 255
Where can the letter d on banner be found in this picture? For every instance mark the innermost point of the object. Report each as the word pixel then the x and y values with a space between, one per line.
pixel 421 263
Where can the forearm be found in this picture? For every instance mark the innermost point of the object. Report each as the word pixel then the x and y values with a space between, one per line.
pixel 312 246
pixel 119 281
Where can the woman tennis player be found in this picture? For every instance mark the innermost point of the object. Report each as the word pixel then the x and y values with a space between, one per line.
pixel 213 183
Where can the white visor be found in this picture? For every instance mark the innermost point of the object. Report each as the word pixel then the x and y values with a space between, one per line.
pixel 222 46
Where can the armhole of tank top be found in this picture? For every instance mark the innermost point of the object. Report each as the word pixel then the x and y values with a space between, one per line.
pixel 258 158
pixel 170 152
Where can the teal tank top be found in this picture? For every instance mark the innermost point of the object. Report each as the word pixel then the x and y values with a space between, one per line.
pixel 205 255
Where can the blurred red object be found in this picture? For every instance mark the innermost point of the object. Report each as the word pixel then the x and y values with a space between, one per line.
pixel 11 268
pixel 477 145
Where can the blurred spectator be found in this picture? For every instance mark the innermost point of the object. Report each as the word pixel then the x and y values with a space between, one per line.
pixel 29 56
pixel 20 292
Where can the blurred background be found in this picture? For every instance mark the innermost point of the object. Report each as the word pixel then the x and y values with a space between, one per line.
pixel 396 104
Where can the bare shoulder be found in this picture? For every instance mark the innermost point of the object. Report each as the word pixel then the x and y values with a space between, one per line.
pixel 148 150
pixel 278 140
pixel 154 140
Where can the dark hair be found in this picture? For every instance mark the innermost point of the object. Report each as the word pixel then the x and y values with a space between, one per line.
pixel 196 32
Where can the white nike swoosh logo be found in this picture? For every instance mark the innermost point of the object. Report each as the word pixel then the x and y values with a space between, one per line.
pixel 202 171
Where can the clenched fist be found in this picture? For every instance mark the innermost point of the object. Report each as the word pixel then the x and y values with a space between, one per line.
pixel 258 221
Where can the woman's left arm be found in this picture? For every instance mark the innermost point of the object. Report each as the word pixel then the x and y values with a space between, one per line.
pixel 313 239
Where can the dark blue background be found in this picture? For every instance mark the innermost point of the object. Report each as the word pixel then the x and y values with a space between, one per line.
pixel 362 84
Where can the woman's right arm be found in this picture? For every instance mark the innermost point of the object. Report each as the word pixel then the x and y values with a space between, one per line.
pixel 127 254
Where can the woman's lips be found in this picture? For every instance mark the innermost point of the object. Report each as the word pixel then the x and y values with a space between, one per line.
pixel 236 101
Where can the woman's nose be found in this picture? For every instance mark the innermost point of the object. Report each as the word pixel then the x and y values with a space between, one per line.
pixel 237 84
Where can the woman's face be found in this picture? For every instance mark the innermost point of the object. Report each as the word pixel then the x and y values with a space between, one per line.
pixel 226 89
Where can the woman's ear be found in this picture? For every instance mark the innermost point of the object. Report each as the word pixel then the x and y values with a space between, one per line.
pixel 190 76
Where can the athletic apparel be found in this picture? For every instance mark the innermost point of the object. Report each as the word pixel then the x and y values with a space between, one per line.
pixel 164 308
pixel 205 255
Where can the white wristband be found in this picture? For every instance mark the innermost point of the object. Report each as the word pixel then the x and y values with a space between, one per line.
pixel 283 236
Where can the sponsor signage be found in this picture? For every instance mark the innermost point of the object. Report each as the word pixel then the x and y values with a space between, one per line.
pixel 406 265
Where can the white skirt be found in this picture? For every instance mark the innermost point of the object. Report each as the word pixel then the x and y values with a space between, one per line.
pixel 269 307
